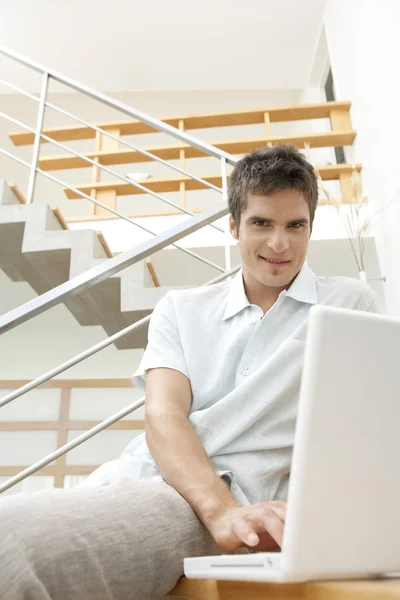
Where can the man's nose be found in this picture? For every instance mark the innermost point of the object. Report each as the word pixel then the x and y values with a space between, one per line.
pixel 278 242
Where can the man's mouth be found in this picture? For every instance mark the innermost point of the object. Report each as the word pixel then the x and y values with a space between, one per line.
pixel 275 262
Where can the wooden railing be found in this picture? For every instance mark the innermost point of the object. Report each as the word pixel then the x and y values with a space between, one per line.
pixel 107 151
pixel 63 425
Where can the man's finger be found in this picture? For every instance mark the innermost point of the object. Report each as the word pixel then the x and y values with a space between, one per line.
pixel 269 521
pixel 281 512
pixel 274 526
pixel 245 532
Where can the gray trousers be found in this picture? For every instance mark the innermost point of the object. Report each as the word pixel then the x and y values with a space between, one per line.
pixel 120 542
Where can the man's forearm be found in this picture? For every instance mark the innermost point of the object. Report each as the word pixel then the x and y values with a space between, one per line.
pixel 185 465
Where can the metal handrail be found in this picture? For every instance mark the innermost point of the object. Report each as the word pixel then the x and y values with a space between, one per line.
pixel 96 348
pixel 39 135
pixel 111 136
pixel 106 269
pixel 125 108
pixel 68 364
pixel 112 266
pixel 112 210
pixel 106 169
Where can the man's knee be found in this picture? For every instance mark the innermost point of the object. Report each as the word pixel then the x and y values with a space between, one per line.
pixel 133 538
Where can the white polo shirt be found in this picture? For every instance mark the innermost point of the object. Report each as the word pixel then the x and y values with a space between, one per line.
pixel 245 372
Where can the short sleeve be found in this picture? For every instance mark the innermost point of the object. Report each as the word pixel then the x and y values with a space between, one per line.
pixel 164 348
pixel 367 300
pixel 373 306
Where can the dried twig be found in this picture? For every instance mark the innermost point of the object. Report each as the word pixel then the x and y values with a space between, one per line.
pixel 353 223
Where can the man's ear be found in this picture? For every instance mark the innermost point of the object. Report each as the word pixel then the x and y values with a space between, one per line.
pixel 233 228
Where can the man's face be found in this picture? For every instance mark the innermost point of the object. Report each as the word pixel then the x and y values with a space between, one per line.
pixel 274 227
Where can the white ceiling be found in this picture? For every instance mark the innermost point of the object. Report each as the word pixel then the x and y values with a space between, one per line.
pixel 116 45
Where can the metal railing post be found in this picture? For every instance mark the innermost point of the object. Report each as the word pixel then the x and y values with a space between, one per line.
pixel 36 146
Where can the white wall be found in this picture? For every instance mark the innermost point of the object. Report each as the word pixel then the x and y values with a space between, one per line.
pixel 364 46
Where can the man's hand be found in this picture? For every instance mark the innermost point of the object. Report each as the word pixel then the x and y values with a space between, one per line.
pixel 257 527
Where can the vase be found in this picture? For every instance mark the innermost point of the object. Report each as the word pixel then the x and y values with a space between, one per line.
pixel 363 276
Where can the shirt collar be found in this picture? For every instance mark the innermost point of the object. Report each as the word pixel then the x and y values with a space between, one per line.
pixel 303 289
pixel 237 299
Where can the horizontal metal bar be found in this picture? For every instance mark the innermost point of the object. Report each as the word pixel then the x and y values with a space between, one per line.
pixel 19 90
pixel 73 361
pixel 71 445
pixel 107 170
pixel 125 108
pixel 112 210
pixel 224 276
pixel 94 349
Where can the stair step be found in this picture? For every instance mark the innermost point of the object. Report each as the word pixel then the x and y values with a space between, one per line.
pixel 203 121
pixel 172 184
pixel 37 247
pixel 315 140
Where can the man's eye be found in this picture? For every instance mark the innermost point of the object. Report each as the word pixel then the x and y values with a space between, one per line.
pixel 296 225
pixel 259 223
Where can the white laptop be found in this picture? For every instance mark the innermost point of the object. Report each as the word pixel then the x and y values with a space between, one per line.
pixel 343 513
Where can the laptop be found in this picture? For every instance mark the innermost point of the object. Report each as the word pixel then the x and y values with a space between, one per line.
pixel 343 513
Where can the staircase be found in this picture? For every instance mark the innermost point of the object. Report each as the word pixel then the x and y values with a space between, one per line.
pixel 37 246
pixel 34 247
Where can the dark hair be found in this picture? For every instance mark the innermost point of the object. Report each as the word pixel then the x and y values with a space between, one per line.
pixel 268 169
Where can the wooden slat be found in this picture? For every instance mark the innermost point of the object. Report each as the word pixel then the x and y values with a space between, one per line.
pixel 96 175
pixel 202 121
pixel 316 140
pixel 29 425
pixel 131 424
pixel 69 425
pixel 136 215
pixel 168 213
pixel 19 195
pixel 69 470
pixel 156 185
pixel 346 187
pixel 71 383
pixel 108 197
pixel 332 172
pixel 340 119
pixel 60 218
pixel 152 271
pixel 15 470
pixel 182 185
pixel 328 172
pixel 103 241
pixel 80 469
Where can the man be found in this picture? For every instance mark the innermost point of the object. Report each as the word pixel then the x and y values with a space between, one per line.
pixel 221 375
